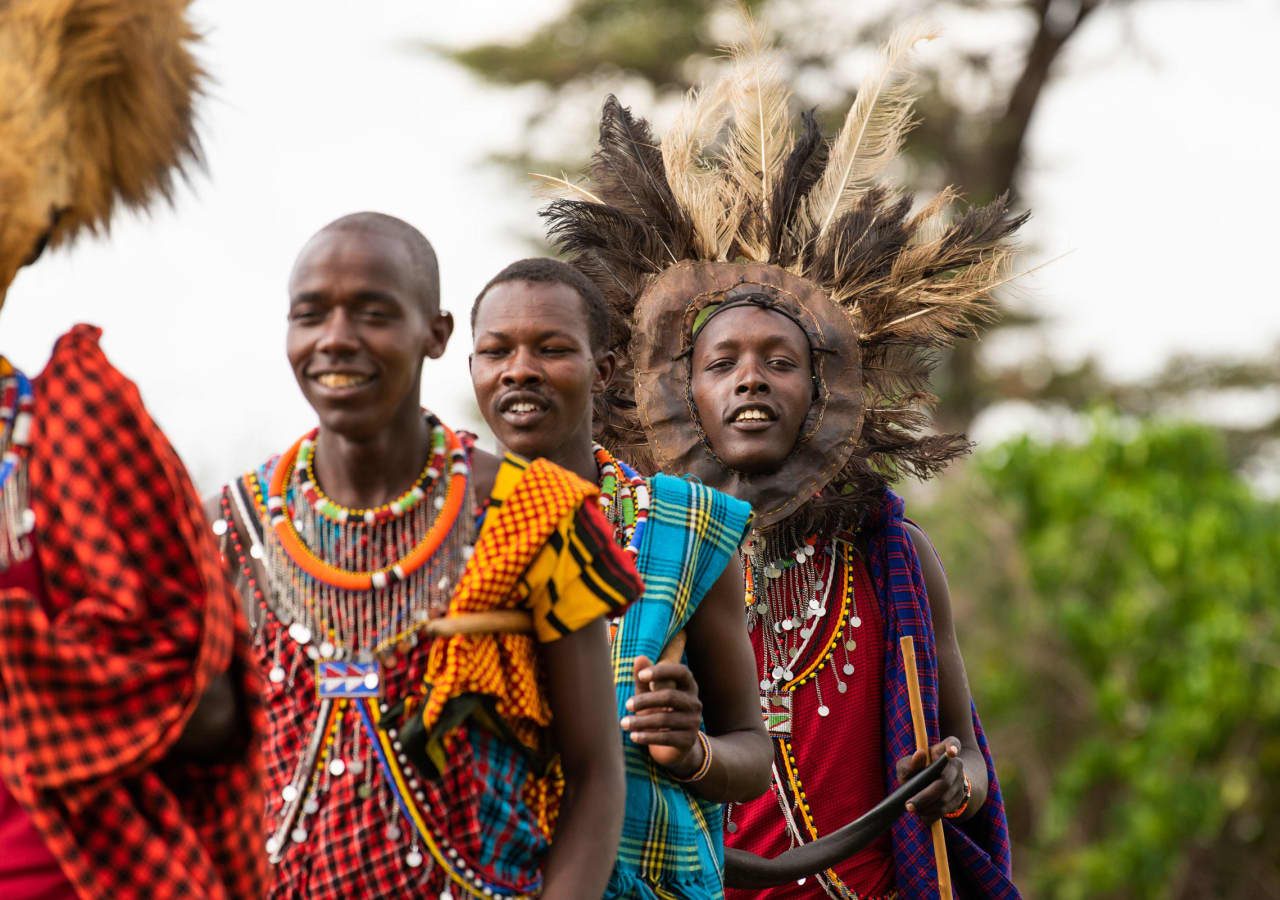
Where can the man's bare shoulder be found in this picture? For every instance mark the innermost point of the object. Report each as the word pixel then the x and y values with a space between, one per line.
pixel 484 471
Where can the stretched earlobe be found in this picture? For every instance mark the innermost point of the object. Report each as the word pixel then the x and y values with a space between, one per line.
pixel 441 331
pixel 606 367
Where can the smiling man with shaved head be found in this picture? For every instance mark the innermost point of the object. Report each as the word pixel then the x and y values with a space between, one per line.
pixel 429 618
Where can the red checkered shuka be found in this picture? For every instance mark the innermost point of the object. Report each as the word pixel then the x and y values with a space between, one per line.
pixel 97 685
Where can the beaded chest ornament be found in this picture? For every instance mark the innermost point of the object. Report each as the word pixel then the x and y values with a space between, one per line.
pixel 17 400
pixel 352 588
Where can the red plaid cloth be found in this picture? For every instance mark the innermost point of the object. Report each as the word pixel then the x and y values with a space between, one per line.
pixel 96 687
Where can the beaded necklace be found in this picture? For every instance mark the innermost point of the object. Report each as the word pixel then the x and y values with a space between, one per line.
pixel 354 584
pixel 624 499
pixel 17 401
pixel 788 598
pixel 352 588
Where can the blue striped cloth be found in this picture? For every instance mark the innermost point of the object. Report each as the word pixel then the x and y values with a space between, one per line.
pixel 978 849
pixel 672 843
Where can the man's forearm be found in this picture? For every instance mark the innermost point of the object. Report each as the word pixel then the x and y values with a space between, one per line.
pixel 586 839
pixel 739 771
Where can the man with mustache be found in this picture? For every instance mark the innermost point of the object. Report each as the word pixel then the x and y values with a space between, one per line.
pixel 692 730
pixel 429 618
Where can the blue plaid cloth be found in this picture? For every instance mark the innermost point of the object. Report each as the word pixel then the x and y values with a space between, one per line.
pixel 978 849
pixel 672 842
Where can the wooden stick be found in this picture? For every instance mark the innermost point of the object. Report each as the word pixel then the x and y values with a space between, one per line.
pixel 674 650
pixel 493 621
pixel 922 743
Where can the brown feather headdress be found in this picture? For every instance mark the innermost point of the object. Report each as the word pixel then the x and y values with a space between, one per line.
pixel 95 108
pixel 736 186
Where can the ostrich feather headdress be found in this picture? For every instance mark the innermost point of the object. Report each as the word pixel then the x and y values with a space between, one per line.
pixel 95 109
pixel 740 198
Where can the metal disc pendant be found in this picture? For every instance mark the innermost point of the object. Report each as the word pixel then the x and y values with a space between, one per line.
pixel 355 767
pixel 337 767
pixel 220 527
pixel 276 675
pixel 290 793
pixel 298 834
pixel 765 684
pixel 850 644
pixel 327 649
pixel 393 832
pixel 731 827
pixel 256 551
pixel 788 674
pixel 815 603
pixel 311 807
pixel 300 633
pixel 777 672
pixel 414 859
pixel 847 668
pixel 841 686
pixel 364 792
pixel 856 621
pixel 788 624
pixel 824 710
pixel 446 894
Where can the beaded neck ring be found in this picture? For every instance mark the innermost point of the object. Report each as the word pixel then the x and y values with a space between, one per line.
pixel 17 402
pixel 351 585
pixel 287 534
pixel 397 507
pixel 624 499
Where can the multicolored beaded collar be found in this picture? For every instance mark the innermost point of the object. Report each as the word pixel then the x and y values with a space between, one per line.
pixel 17 403
pixel 346 579
pixel 624 499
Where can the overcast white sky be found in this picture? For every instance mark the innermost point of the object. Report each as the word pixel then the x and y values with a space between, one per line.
pixel 1159 172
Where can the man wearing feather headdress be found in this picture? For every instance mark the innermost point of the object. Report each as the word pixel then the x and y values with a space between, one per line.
pixel 126 699
pixel 782 303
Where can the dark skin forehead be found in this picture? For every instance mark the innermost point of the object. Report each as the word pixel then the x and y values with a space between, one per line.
pixel 364 261
pixel 751 327
pixel 505 312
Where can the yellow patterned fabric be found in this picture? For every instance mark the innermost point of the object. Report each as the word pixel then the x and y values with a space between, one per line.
pixel 540 550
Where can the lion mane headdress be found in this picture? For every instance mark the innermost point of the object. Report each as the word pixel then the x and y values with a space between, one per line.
pixel 738 204
pixel 95 109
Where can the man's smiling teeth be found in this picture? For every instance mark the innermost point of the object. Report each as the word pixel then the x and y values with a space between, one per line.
pixel 752 415
pixel 522 407
pixel 341 379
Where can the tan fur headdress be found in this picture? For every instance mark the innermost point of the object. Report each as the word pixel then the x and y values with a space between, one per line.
pixel 736 186
pixel 95 108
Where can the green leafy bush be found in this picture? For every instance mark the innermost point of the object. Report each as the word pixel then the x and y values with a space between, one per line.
pixel 1118 602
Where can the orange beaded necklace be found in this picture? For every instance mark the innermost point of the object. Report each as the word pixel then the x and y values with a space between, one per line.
pixel 345 579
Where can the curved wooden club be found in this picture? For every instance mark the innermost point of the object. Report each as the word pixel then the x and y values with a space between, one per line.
pixel 743 869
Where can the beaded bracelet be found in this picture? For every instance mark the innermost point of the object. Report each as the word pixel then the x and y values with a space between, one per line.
pixel 706 762
pixel 959 811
